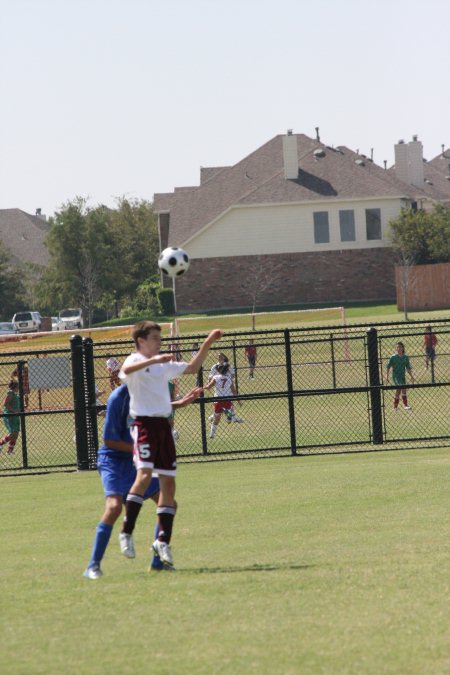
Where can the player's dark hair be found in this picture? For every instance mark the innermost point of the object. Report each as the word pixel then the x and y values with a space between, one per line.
pixel 13 384
pixel 400 344
pixel 142 330
pixel 223 368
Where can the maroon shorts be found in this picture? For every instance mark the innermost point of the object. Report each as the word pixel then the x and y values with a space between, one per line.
pixel 221 406
pixel 153 445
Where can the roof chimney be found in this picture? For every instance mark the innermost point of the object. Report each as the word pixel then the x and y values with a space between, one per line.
pixel 38 212
pixel 409 162
pixel 290 156
pixel 317 134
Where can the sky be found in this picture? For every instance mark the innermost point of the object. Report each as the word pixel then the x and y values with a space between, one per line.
pixel 105 99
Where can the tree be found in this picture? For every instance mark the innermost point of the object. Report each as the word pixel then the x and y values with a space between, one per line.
pixel 99 253
pixel 12 289
pixel 259 278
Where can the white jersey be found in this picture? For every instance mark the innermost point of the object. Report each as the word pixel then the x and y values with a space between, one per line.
pixel 149 387
pixel 223 384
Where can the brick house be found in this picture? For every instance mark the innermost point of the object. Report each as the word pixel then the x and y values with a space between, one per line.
pixel 314 217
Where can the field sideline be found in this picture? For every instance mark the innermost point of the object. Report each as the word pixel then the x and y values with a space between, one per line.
pixel 333 564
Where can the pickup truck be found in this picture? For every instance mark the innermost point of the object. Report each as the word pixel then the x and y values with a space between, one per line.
pixel 71 318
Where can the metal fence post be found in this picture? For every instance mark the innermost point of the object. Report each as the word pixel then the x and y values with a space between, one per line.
pixel 333 361
pixel 91 407
pixel 374 382
pixel 23 426
pixel 290 390
pixel 79 402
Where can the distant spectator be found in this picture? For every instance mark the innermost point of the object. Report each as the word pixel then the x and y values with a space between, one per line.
pixel 113 368
pixel 250 353
pixel 11 406
pixel 430 342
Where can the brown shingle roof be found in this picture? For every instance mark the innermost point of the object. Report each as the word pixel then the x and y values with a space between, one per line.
pixel 259 179
pixel 24 236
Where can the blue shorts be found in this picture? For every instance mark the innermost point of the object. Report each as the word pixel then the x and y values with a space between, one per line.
pixel 118 476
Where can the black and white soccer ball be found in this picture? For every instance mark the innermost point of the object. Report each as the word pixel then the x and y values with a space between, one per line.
pixel 173 262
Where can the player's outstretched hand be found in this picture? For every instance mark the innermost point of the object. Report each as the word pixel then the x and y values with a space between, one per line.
pixel 190 397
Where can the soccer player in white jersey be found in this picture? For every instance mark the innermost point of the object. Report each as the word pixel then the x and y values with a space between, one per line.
pixel 223 380
pixel 147 374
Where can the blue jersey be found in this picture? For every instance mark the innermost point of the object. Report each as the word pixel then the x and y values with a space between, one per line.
pixel 117 424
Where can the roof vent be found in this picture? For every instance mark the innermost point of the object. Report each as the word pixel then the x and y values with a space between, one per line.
pixel 401 141
pixel 289 132
pixel 319 152
pixel 447 177
pixel 428 181
pixel 415 137
pixel 360 162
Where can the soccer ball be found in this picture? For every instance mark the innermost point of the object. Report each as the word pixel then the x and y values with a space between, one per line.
pixel 173 261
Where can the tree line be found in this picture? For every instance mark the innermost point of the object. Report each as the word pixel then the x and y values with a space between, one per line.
pixel 100 258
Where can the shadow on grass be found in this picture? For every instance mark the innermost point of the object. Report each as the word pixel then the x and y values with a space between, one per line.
pixel 248 568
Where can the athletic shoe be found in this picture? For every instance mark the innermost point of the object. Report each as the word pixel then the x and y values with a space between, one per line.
pixel 93 572
pixel 407 407
pixel 127 545
pixel 156 565
pixel 162 549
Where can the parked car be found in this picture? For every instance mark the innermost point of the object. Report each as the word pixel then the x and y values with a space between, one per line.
pixel 71 318
pixel 27 322
pixel 8 328
pixel 57 324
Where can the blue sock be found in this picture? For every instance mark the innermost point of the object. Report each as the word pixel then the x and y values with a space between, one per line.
pixel 101 540
pixel 156 562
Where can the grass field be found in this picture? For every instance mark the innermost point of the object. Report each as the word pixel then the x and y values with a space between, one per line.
pixel 335 564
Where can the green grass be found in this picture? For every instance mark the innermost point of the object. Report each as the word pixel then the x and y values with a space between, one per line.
pixel 334 564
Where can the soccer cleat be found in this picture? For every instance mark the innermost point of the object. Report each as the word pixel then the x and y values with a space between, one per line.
pixel 93 572
pixel 407 407
pixel 156 565
pixel 162 549
pixel 127 545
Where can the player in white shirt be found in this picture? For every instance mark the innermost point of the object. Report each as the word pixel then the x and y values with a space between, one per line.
pixel 147 374
pixel 223 381
pixel 223 360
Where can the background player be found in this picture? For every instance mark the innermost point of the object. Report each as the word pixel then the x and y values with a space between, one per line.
pixel 400 363
pixel 225 389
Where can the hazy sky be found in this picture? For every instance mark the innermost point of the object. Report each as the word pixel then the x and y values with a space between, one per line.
pixel 110 98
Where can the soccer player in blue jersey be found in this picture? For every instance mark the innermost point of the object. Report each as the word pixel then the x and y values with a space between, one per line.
pixel 117 471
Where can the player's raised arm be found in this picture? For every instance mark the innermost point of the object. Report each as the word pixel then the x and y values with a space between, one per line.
pixel 197 361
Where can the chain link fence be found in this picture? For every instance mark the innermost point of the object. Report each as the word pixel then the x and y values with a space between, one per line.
pixel 311 391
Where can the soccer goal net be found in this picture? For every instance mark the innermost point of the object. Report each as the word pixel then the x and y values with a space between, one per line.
pixel 262 320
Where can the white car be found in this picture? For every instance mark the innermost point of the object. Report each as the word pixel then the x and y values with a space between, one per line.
pixel 71 318
pixel 27 322
pixel 57 324
pixel 8 328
